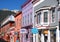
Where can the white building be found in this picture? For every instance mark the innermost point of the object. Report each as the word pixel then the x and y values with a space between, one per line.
pixel 46 20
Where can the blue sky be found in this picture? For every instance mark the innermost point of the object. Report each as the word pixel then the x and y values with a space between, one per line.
pixel 11 4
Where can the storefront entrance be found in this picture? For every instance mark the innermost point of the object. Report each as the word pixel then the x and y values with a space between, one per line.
pixel 45 36
pixel 53 35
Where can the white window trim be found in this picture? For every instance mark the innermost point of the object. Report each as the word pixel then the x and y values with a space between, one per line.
pixel 51 18
pixel 58 16
pixel 45 23
pixel 38 3
pixel 40 20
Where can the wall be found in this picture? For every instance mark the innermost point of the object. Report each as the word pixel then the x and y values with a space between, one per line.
pixel 27 10
pixel 18 20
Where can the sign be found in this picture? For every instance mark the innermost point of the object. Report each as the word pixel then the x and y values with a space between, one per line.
pixel 45 32
pixel 34 30
pixel 23 31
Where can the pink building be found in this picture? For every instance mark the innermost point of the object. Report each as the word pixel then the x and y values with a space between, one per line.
pixel 27 21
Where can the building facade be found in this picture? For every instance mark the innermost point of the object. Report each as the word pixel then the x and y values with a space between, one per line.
pixel 7 27
pixel 18 24
pixel 26 35
pixel 46 21
pixel 10 27
pixel 35 3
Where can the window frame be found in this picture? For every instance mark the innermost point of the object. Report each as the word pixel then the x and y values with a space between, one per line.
pixel 39 18
pixel 46 23
pixel 53 13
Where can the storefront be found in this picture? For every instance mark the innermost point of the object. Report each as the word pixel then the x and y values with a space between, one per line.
pixel 26 35
pixel 53 35
pixel 11 36
pixel 48 35
pixel 17 37
pixel 43 34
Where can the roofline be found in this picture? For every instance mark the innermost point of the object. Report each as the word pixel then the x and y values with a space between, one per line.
pixel 18 14
pixel 25 3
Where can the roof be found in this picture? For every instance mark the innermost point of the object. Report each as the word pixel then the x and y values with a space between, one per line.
pixel 46 3
pixel 25 3
pixel 18 13
pixel 4 14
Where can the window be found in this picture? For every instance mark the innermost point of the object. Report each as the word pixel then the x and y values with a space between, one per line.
pixel 38 17
pixel 23 20
pixel 28 18
pixel 45 16
pixel 59 14
pixel 31 18
pixel 35 19
pixel 53 15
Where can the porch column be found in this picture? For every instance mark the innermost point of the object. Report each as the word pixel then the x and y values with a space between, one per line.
pixel 48 35
pixel 24 37
pixel 57 34
pixel 34 37
pixel 37 37
pixel 42 38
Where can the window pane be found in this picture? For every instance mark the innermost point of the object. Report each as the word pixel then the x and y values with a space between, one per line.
pixel 38 17
pixel 45 17
pixel 53 17
pixel 31 18
pixel 35 19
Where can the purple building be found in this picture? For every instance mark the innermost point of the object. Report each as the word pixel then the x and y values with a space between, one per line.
pixel 26 35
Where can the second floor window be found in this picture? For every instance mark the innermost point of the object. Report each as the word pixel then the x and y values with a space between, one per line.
pixel 53 15
pixel 31 18
pixel 38 17
pixel 45 16
pixel 35 19
pixel 28 18
pixel 23 20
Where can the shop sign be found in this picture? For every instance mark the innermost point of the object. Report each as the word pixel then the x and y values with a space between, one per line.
pixel 45 32
pixel 23 31
pixel 34 30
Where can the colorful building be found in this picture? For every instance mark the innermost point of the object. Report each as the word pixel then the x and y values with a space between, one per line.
pixel 7 26
pixel 46 20
pixel 18 24
pixel 27 22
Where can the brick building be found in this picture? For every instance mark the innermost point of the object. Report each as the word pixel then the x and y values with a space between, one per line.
pixel 18 21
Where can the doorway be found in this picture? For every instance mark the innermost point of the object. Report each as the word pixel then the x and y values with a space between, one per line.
pixel 53 35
